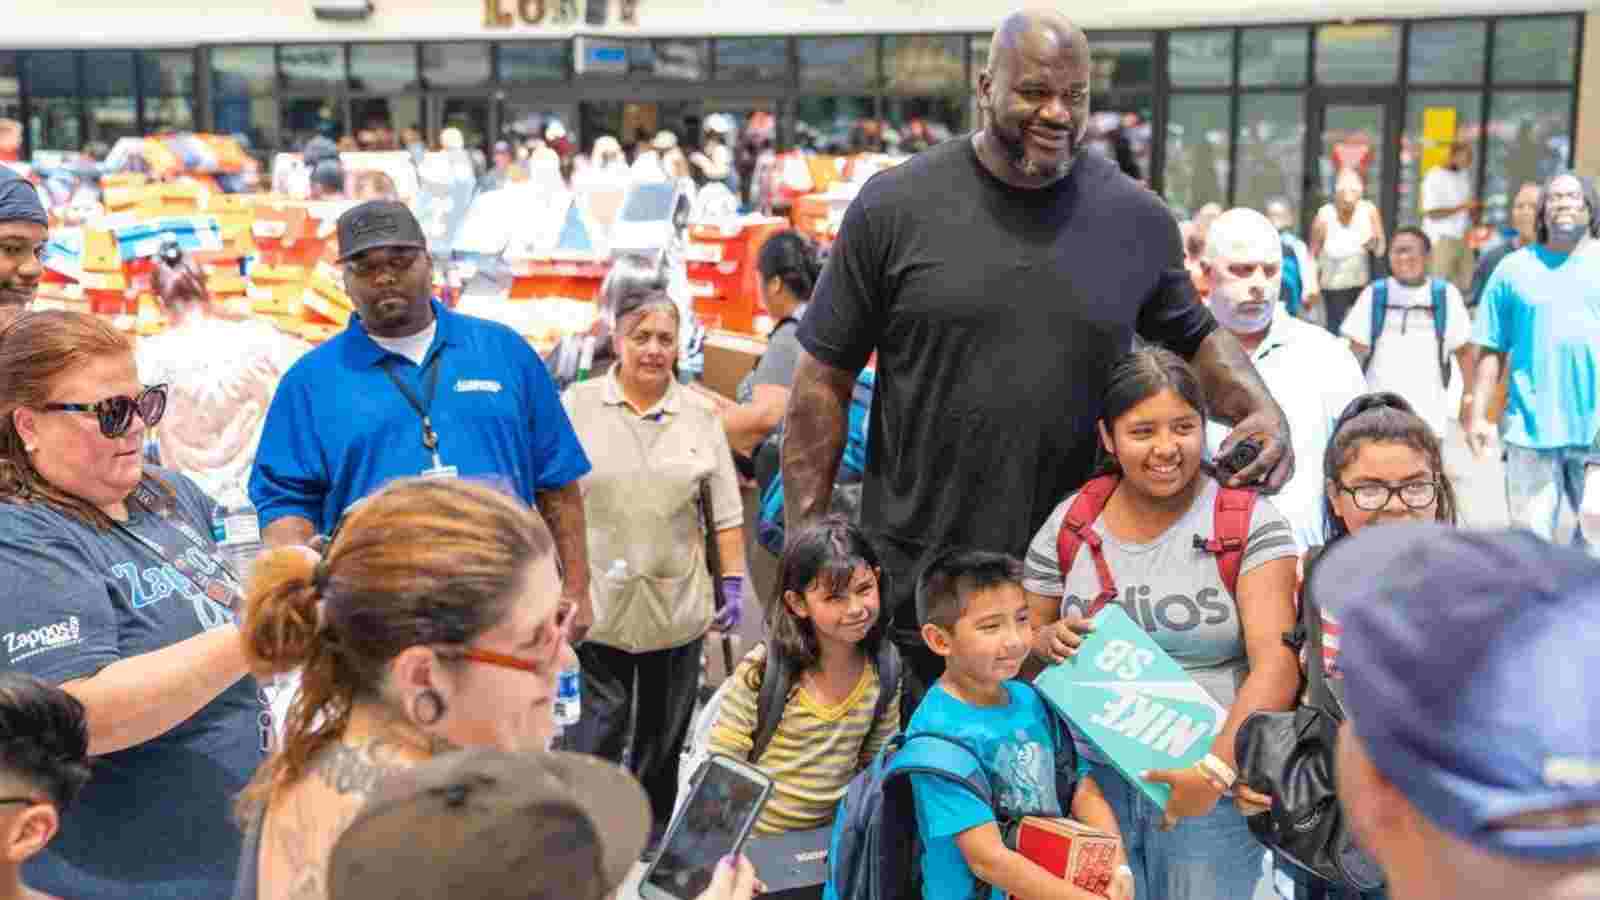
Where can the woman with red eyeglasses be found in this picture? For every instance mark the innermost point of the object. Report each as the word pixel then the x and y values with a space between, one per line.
pixel 433 621
pixel 114 590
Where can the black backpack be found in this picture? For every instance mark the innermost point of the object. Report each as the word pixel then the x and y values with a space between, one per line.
pixel 1441 316
pixel 1289 756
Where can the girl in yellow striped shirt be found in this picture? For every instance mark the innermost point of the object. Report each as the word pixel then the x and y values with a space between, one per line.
pixel 828 631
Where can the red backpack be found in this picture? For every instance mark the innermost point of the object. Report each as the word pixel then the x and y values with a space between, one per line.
pixel 1231 528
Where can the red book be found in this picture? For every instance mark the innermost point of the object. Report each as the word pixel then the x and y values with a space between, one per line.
pixel 1070 850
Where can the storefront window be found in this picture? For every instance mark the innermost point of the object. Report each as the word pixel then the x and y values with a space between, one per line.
pixel 924 63
pixel 918 123
pixel 837 124
pixel 51 73
pixel 1273 56
pixel 752 59
pixel 10 108
pixel 383 68
pixel 54 123
pixel 1542 49
pixel 312 67
pixel 680 60
pixel 1368 53
pixel 1530 139
pixel 108 73
pixel 1120 64
pixel 1198 144
pixel 1435 120
pixel 168 114
pixel 307 117
pixel 1200 58
pixel 850 62
pixel 1119 129
pixel 379 120
pixel 1271 136
pixel 167 73
pixel 530 61
pixel 243 100
pixel 1448 52
pixel 111 118
pixel 464 64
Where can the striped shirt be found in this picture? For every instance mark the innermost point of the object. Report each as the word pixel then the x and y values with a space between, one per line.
pixel 814 753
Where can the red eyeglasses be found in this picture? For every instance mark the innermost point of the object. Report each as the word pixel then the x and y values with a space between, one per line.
pixel 561 621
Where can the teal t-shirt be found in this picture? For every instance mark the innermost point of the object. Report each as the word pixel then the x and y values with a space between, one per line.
pixel 1014 744
pixel 1542 309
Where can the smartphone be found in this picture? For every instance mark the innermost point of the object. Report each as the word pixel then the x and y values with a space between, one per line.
pixel 724 800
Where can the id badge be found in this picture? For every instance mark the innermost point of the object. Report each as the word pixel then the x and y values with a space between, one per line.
pixel 440 472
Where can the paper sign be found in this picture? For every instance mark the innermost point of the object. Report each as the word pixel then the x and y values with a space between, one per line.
pixel 1438 134
pixel 1138 707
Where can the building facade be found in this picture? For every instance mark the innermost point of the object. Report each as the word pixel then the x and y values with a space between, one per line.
pixel 1203 107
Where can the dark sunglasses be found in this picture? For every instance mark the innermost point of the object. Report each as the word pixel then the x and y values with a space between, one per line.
pixel 116 413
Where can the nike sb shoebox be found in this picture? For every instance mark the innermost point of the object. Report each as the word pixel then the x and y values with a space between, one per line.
pixel 1133 702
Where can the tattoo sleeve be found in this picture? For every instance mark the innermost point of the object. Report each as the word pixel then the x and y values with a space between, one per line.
pixel 814 439
pixel 1233 388
pixel 562 509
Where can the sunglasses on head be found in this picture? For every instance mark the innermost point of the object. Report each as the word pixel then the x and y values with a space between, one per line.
pixel 116 413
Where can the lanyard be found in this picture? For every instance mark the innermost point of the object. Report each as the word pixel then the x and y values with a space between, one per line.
pixel 224 592
pixel 430 438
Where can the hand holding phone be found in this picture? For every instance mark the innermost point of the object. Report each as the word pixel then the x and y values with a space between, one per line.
pixel 725 799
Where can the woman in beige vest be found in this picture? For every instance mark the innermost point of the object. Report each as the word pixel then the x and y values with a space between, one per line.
pixel 654 444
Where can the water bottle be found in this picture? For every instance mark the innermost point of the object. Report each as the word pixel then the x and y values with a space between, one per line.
pixel 569 697
pixel 237 532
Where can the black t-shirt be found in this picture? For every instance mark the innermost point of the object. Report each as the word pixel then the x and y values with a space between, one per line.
pixel 996 313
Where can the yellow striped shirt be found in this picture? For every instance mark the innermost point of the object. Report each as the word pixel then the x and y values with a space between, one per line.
pixel 814 753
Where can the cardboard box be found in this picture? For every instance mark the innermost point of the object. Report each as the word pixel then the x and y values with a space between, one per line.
pixel 729 358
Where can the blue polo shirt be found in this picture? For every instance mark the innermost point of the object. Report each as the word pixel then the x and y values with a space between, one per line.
pixel 339 428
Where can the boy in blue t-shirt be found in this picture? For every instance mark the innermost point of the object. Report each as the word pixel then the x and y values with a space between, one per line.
pixel 975 615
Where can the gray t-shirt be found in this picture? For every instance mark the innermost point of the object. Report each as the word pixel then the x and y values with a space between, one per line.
pixel 778 364
pixel 1168 586
pixel 156 820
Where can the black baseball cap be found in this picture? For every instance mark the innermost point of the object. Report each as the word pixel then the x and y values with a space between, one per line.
pixel 378 223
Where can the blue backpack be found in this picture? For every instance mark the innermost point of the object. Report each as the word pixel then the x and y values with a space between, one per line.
pixel 1440 307
pixel 875 852
pixel 846 485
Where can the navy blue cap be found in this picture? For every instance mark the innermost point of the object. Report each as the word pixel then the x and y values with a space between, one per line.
pixel 1471 663
pixel 19 201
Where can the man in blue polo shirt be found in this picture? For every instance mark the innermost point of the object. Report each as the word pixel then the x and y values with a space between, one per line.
pixel 412 388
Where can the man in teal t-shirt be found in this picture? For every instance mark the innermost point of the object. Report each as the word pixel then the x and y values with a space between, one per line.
pixel 1540 316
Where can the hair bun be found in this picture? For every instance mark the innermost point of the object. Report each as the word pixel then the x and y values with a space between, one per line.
pixel 282 618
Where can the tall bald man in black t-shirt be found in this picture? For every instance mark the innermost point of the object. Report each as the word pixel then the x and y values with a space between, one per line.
pixel 997 276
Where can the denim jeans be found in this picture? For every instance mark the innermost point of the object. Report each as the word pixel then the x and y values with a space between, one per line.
pixel 1211 857
pixel 1542 485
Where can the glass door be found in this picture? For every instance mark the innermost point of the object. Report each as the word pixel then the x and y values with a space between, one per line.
pixel 1354 131
pixel 469 114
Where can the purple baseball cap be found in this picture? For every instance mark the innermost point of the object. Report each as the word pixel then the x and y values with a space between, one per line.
pixel 1472 674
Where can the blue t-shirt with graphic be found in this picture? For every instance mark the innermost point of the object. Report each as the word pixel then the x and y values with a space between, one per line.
pixel 1015 745
pixel 1542 309
pixel 155 821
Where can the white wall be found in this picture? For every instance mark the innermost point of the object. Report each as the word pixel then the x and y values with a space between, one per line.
pixel 123 23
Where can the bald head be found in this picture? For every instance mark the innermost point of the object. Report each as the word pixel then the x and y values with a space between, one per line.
pixel 1035 32
pixel 1034 98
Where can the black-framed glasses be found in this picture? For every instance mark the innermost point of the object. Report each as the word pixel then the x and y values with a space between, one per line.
pixel 397 263
pixel 116 413
pixel 1375 495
